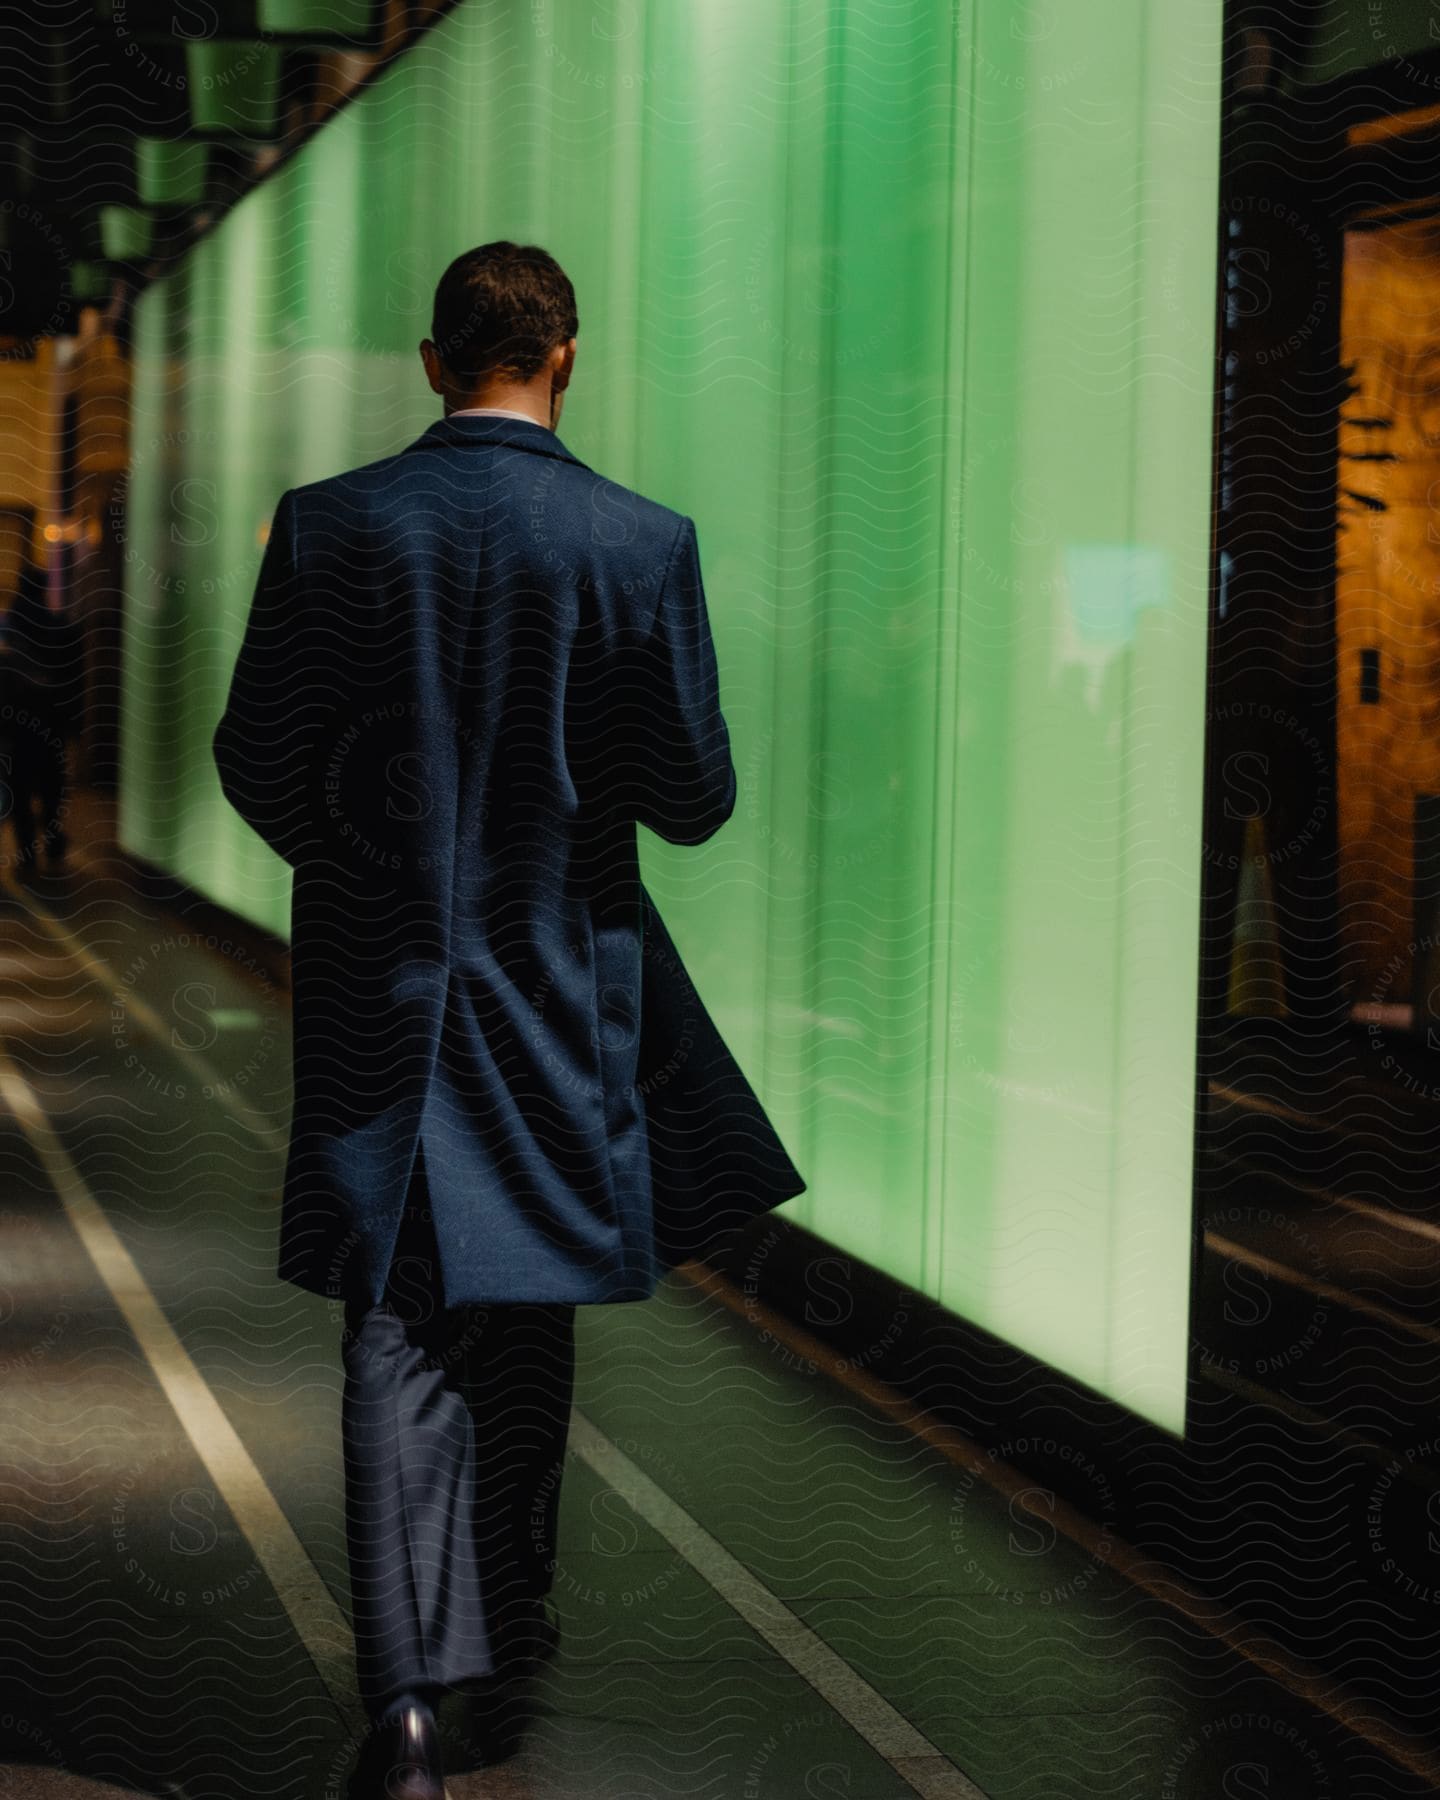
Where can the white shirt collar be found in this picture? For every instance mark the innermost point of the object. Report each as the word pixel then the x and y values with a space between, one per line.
pixel 498 412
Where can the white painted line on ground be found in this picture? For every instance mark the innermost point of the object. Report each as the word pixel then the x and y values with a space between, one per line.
pixel 907 1750
pixel 319 1623
pixel 1143 1572
pixel 221 1088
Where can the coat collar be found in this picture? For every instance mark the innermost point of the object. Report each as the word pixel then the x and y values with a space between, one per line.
pixel 482 428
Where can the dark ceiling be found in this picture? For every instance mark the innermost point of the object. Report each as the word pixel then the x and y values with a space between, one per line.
pixel 126 124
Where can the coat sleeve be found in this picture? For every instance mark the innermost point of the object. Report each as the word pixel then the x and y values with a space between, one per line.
pixel 682 774
pixel 265 745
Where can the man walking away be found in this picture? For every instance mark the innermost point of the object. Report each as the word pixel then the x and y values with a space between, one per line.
pixel 469 669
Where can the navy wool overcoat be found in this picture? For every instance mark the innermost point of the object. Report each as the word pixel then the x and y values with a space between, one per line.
pixel 468 670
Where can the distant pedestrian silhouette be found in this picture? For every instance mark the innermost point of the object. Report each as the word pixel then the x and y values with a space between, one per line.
pixel 39 703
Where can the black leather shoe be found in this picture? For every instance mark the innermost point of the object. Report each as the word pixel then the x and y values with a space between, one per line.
pixel 400 1760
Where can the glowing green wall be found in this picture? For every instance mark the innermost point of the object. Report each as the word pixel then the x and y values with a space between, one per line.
pixel 909 303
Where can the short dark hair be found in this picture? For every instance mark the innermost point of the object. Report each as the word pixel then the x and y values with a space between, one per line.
pixel 502 307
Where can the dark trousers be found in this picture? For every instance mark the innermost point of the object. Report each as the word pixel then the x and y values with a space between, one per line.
pixel 454 1423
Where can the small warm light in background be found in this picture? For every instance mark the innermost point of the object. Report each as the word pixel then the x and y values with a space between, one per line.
pixel 53 534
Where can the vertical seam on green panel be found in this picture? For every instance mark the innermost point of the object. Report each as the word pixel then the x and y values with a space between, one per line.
pixel 642 241
pixel 810 934
pixel 834 90
pixel 1119 1037
pixel 942 872
pixel 765 1059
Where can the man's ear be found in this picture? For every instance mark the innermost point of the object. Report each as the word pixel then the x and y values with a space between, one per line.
pixel 564 366
pixel 431 361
